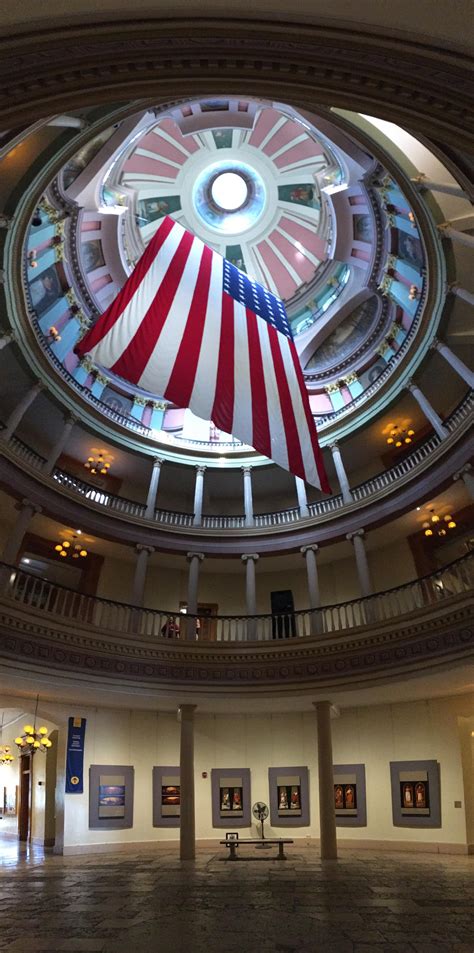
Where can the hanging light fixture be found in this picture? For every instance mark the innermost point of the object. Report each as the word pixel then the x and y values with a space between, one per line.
pixel 33 739
pixel 99 461
pixel 69 547
pixel 438 525
pixel 6 756
pixel 399 436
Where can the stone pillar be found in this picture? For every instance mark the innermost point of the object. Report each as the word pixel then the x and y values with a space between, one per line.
pixel 468 296
pixel 153 488
pixel 15 537
pixel 341 473
pixel 198 495
pixel 363 571
pixel 428 410
pixel 58 448
pixel 467 476
pixel 194 560
pixel 327 814
pixel 250 560
pixel 447 231
pixel 19 411
pixel 423 182
pixel 248 498
pixel 309 553
pixel 6 339
pixel 454 361
pixel 187 827
pixel 139 579
pixel 302 498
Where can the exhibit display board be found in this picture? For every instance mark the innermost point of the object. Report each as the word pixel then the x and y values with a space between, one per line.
pixel 415 793
pixel 110 796
pixel 166 797
pixel 350 802
pixel 289 797
pixel 230 797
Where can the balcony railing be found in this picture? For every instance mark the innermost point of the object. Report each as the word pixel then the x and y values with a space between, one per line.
pixel 364 492
pixel 61 604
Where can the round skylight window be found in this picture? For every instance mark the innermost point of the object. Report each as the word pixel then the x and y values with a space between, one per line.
pixel 229 191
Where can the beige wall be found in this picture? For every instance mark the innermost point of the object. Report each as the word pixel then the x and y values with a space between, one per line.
pixel 372 735
pixel 10 777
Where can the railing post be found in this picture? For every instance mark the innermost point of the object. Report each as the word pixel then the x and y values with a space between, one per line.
pixel 153 488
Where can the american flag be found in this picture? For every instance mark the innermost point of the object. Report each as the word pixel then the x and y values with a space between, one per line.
pixel 191 327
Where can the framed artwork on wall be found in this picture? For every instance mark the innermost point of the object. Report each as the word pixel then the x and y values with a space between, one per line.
pixel 10 800
pixel 416 800
pixel 110 797
pixel 166 796
pixel 289 796
pixel 350 795
pixel 230 797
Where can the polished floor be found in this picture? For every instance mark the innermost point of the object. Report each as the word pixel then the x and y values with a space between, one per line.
pixel 147 902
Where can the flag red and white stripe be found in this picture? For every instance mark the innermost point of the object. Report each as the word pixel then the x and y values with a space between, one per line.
pixel 190 327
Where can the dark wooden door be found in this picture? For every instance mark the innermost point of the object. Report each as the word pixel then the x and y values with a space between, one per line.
pixel 24 810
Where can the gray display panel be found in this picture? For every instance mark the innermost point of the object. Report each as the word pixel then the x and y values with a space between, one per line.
pixel 230 797
pixel 350 800
pixel 166 797
pixel 416 793
pixel 289 796
pixel 110 796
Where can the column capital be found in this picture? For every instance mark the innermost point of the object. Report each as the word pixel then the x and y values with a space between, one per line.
pixel 411 385
pixel 33 506
pixel 71 419
pixel 247 469
pixel 191 556
pixel 248 556
pixel 157 461
pixel 436 344
pixel 186 709
pixel 39 385
pixel 442 226
pixel 201 468
pixel 334 445
pixel 467 468
pixel 140 548
pixel 313 547
pixel 357 532
pixel 8 336
pixel 5 220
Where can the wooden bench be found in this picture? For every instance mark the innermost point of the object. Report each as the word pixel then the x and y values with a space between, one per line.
pixel 257 842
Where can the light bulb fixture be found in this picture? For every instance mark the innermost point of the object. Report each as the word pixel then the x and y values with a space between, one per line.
pixel 54 334
pixel 71 547
pixel 6 756
pixel 413 293
pixel 33 739
pixel 99 461
pixel 399 436
pixel 438 525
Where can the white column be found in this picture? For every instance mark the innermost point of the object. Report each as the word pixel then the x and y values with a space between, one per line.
pixel 327 814
pixel 454 361
pixel 248 498
pixel 58 448
pixel 19 411
pixel 309 553
pixel 363 571
pixel 6 338
pixel 187 825
pixel 194 559
pixel 198 495
pixel 341 473
pixel 468 296
pixel 139 579
pixel 302 498
pixel 447 231
pixel 423 182
pixel 467 476
pixel 16 534
pixel 428 410
pixel 153 488
pixel 250 560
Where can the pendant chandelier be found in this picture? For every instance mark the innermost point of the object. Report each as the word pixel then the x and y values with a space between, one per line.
pixel 69 547
pixel 438 525
pixel 398 436
pixel 99 461
pixel 33 739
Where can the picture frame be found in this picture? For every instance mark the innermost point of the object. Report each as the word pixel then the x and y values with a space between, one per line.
pixel 10 801
pixel 232 835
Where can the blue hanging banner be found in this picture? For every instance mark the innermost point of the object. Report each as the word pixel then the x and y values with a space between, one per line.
pixel 75 756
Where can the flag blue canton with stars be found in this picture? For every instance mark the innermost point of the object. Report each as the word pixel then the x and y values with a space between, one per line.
pixel 257 299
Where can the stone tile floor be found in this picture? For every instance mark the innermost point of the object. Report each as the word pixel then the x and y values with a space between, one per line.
pixel 147 902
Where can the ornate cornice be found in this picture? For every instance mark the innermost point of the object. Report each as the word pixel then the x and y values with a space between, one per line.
pixel 429 638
